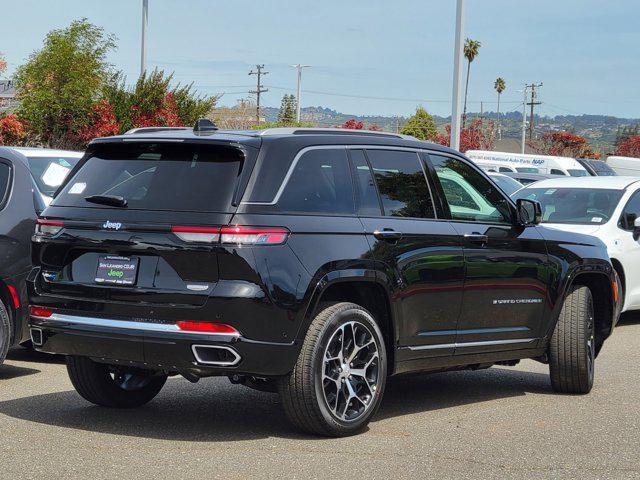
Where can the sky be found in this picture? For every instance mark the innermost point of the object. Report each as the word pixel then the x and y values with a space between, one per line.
pixel 367 57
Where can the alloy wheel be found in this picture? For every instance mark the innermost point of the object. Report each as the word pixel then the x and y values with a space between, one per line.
pixel 350 371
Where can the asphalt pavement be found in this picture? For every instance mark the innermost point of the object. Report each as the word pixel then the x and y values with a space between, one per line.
pixel 504 422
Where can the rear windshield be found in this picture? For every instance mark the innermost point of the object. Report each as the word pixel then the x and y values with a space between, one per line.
pixel 176 177
pixel 574 172
pixel 573 205
pixel 50 172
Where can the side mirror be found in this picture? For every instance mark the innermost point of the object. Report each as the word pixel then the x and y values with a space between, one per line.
pixel 530 212
pixel 636 228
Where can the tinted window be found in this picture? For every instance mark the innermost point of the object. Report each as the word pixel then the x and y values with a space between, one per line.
pixel 320 183
pixel 505 169
pixel 555 171
pixel 470 196
pixel 574 205
pixel 631 212
pixel 50 172
pixel 158 177
pixel 574 172
pixel 367 197
pixel 5 175
pixel 401 183
pixel 527 170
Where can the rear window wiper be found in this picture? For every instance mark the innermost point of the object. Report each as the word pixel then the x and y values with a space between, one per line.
pixel 111 200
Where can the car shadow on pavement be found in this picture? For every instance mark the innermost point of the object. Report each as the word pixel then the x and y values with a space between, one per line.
pixel 8 372
pixel 415 393
pixel 215 410
pixel 30 355
pixel 629 318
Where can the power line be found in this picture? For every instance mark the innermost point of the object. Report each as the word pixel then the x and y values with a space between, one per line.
pixel 259 90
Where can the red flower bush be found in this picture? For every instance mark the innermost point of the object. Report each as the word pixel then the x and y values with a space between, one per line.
pixel 476 137
pixel 164 116
pixel 102 123
pixel 565 144
pixel 353 125
pixel 12 130
pixel 630 147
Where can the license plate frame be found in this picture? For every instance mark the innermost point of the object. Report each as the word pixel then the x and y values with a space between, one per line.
pixel 117 270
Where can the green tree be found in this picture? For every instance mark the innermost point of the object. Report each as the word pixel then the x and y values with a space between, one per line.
pixel 420 125
pixel 287 114
pixel 60 84
pixel 499 85
pixel 471 49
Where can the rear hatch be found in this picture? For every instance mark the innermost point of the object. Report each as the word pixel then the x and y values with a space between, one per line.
pixel 140 218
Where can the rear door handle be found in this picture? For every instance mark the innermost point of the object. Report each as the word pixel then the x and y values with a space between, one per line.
pixel 387 234
pixel 476 238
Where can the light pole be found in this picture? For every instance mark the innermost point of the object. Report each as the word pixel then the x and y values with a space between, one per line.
pixel 457 77
pixel 299 67
pixel 143 46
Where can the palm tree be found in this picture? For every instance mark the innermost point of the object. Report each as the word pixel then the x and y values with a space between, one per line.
pixel 471 48
pixel 499 85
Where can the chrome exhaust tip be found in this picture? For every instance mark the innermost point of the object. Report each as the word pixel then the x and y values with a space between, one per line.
pixel 37 337
pixel 217 355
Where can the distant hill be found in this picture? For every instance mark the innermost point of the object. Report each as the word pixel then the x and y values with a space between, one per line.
pixel 600 130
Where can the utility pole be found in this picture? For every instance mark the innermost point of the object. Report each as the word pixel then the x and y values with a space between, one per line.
pixel 259 90
pixel 143 46
pixel 457 76
pixel 524 118
pixel 532 103
pixel 299 67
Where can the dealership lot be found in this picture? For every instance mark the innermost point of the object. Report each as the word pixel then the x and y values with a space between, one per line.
pixel 501 422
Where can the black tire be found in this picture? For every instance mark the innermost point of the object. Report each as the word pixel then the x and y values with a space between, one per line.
pixel 113 387
pixel 572 347
pixel 306 391
pixel 5 332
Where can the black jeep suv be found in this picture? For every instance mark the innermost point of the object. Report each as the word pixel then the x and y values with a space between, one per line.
pixel 311 262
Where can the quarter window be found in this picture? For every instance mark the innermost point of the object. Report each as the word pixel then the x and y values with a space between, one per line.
pixel 470 196
pixel 631 212
pixel 401 182
pixel 367 197
pixel 320 183
pixel 5 176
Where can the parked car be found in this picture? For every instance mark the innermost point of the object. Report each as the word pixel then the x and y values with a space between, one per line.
pixel 529 178
pixel 629 166
pixel 506 162
pixel 49 167
pixel 597 168
pixel 507 184
pixel 605 207
pixel 314 262
pixel 28 177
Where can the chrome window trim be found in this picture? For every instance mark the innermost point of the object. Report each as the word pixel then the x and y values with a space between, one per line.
pixel 346 147
pixel 292 167
pixel 124 324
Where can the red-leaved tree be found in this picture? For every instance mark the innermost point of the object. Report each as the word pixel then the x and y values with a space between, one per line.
pixel 164 115
pixel 353 125
pixel 477 136
pixel 565 144
pixel 630 147
pixel 102 123
pixel 12 130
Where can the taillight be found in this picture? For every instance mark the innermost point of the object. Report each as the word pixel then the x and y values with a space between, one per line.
pixel 253 235
pixel 207 327
pixel 36 311
pixel 197 234
pixel 48 227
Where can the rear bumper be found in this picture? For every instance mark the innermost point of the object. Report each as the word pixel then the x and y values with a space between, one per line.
pixel 160 346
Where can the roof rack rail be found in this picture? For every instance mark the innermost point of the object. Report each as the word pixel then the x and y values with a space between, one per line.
pixel 135 131
pixel 328 131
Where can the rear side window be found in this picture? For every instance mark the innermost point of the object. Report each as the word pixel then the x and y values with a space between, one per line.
pixel 5 177
pixel 176 177
pixel 320 183
pixel 367 198
pixel 401 182
pixel 555 171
